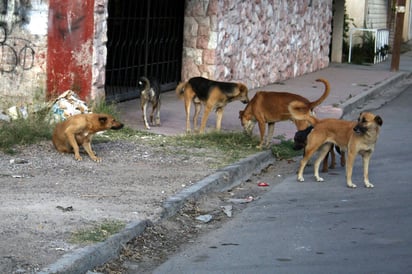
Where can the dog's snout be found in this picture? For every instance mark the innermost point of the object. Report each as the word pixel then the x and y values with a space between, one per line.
pixel 360 129
pixel 119 126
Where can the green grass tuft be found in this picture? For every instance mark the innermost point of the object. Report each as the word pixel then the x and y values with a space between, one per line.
pixel 23 132
pixel 97 233
pixel 284 150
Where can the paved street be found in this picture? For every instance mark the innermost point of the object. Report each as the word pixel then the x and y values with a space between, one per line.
pixel 324 227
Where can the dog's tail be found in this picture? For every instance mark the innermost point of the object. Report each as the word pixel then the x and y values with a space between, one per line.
pixel 143 83
pixel 324 95
pixel 180 89
pixel 301 111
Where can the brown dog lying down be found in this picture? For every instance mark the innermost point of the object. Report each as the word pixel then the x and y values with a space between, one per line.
pixel 213 95
pixel 270 107
pixel 79 130
pixel 300 141
pixel 353 137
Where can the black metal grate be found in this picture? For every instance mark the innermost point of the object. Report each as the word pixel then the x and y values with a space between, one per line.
pixel 145 38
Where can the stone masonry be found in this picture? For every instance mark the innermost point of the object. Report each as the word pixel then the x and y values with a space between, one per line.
pixel 256 42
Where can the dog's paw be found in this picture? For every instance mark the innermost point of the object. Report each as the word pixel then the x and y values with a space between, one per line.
pixel 78 158
pixel 369 185
pixel 97 159
pixel 351 185
pixel 319 179
pixel 301 179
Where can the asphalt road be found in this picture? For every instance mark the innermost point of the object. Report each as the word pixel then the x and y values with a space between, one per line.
pixel 324 227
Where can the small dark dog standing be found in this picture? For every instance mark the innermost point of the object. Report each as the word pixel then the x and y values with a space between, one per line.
pixel 149 93
pixel 300 141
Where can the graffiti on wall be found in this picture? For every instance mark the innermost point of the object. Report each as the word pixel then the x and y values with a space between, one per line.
pixel 14 51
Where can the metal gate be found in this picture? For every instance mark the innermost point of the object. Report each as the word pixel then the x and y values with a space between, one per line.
pixel 145 38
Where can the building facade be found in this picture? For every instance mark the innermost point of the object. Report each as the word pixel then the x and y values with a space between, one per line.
pixel 55 45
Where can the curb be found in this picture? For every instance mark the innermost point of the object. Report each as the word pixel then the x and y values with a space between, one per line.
pixel 360 99
pixel 84 259
pixel 222 180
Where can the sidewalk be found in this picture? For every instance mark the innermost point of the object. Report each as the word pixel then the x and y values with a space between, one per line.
pixel 349 83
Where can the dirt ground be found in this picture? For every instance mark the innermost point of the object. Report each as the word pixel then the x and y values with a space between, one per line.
pixel 131 183
pixel 160 241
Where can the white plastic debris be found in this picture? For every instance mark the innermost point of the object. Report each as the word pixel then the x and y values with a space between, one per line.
pixel 204 218
pixel 66 105
pixel 227 210
pixel 241 201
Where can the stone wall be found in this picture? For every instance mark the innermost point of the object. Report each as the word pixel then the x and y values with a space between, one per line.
pixel 99 49
pixel 256 42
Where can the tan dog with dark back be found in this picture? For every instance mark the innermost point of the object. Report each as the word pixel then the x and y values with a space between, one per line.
pixel 213 95
pixel 78 130
pixel 270 107
pixel 355 137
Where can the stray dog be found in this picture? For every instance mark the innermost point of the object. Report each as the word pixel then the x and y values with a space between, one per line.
pixel 149 93
pixel 79 130
pixel 353 137
pixel 270 107
pixel 300 140
pixel 213 95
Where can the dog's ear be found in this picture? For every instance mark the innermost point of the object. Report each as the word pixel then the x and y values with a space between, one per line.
pixel 378 120
pixel 243 88
pixel 102 119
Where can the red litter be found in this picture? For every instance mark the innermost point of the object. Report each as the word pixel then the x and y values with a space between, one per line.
pixel 263 184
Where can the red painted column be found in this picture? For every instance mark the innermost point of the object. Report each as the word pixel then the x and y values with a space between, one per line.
pixel 70 47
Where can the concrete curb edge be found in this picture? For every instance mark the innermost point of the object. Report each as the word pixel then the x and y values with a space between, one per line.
pixel 357 101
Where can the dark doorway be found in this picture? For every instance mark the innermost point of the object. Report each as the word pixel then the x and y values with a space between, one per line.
pixel 145 38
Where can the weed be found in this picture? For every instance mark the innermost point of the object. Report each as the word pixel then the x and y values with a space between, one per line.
pixel 107 108
pixel 285 150
pixel 24 131
pixel 97 233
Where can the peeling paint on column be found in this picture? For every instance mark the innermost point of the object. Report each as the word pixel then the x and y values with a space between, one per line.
pixel 70 47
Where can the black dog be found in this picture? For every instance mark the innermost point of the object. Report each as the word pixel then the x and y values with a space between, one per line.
pixel 149 92
pixel 300 139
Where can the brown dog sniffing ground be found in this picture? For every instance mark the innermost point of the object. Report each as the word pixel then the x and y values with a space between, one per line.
pixel 78 130
pixel 269 107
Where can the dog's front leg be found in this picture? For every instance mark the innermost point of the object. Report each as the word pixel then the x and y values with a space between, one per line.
pixel 271 130
pixel 262 129
pixel 219 116
pixel 88 148
pixel 206 113
pixel 73 143
pixel 366 159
